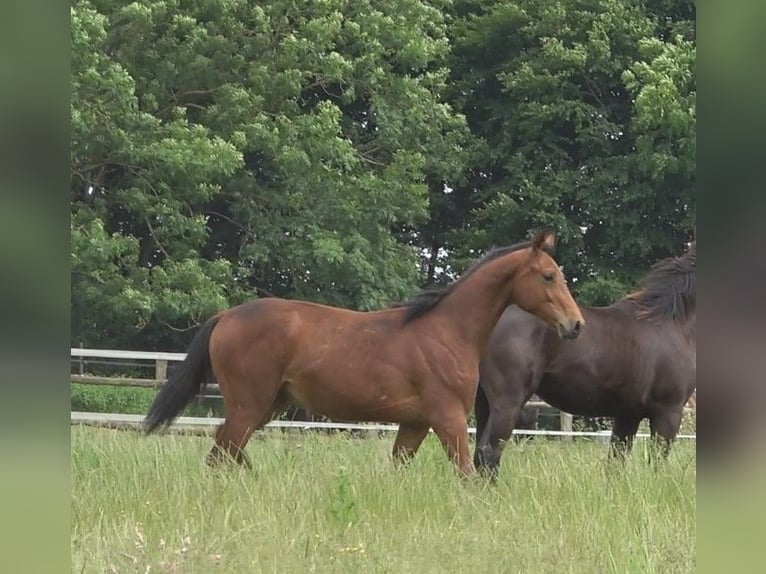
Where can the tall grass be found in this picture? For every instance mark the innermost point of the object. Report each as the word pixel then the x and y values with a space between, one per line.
pixel 330 503
pixel 123 399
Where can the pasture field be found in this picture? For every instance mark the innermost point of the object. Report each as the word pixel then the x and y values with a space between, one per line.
pixel 336 504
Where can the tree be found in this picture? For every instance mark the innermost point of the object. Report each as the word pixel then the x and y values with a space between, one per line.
pixel 236 149
pixel 587 114
pixel 139 187
pixel 347 152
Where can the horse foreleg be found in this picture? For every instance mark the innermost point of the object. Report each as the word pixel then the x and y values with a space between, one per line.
pixel 499 428
pixel 481 411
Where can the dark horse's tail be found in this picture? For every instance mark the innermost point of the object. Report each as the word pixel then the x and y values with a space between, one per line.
pixel 185 381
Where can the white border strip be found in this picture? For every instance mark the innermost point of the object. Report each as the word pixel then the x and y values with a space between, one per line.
pixel 181 423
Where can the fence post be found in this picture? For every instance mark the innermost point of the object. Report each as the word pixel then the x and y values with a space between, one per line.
pixel 160 370
pixel 566 423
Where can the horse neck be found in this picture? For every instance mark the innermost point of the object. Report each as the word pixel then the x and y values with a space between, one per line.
pixel 476 304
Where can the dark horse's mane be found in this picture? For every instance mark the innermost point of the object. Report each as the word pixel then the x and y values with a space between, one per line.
pixel 669 291
pixel 428 299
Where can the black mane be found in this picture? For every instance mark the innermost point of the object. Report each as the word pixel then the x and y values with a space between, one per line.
pixel 428 299
pixel 669 291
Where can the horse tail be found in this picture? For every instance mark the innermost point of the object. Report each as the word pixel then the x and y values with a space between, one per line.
pixel 185 381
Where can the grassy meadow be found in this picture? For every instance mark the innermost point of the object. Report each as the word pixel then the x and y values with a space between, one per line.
pixel 333 503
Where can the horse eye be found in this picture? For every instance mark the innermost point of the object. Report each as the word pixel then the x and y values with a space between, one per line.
pixel 548 277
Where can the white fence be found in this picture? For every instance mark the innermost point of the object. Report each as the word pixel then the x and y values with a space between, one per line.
pixel 160 361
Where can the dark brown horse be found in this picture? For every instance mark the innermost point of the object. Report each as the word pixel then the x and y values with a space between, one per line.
pixel 636 360
pixel 416 364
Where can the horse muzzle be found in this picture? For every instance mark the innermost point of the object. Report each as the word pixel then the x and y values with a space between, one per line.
pixel 570 329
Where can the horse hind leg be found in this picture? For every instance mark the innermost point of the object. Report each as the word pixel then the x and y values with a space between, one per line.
pixel 241 421
pixel 624 431
pixel 408 440
pixel 663 427
pixel 230 440
pixel 452 429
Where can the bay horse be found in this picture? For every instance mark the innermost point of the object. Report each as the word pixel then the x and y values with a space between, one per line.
pixel 636 360
pixel 415 363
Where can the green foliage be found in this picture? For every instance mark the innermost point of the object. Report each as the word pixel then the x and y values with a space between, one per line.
pixel 587 114
pixel 139 183
pixel 223 149
pixel 591 424
pixel 349 152
pixel 107 399
pixel 601 290
pixel 124 400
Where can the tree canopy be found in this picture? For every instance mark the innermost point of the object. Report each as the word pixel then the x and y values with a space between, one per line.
pixel 351 152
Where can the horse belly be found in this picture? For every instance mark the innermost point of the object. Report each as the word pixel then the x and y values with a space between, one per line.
pixel 354 397
pixel 589 397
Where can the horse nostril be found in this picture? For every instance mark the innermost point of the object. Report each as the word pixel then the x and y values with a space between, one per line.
pixel 577 327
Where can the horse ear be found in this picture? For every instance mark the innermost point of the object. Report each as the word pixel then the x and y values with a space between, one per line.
pixel 545 240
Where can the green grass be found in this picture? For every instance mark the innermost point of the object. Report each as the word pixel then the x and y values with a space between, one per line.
pixel 331 503
pixel 121 399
